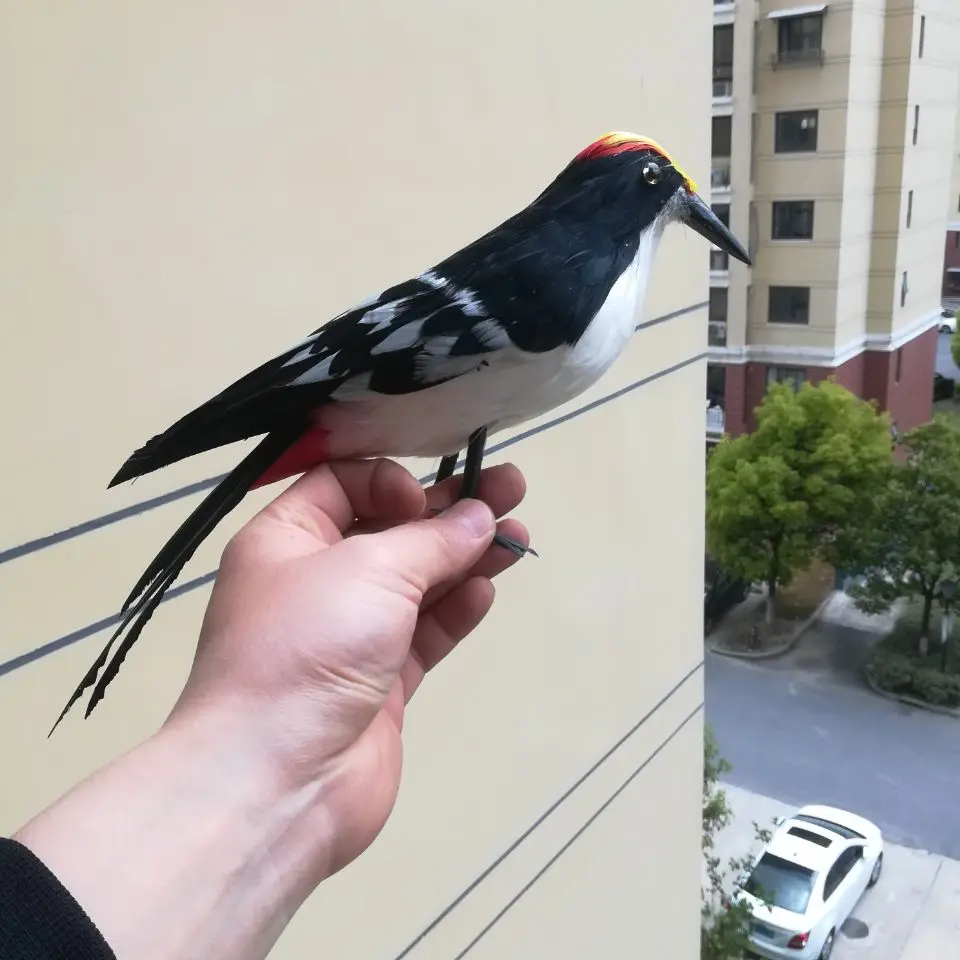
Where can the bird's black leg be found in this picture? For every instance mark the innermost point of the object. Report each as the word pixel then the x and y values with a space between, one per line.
pixel 471 487
pixel 446 468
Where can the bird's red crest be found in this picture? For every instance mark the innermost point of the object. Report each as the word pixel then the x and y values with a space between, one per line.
pixel 617 142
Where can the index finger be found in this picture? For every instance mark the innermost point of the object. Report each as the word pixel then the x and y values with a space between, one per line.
pixel 327 500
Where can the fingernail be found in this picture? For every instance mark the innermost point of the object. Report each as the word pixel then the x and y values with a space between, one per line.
pixel 472 514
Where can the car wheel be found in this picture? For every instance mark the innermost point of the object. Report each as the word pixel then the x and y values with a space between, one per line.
pixel 946 329
pixel 875 873
pixel 827 947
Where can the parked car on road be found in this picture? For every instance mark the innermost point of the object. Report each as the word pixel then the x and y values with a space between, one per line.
pixel 721 591
pixel 948 321
pixel 807 881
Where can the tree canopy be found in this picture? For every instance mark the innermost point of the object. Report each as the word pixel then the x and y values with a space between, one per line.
pixel 914 540
pixel 790 490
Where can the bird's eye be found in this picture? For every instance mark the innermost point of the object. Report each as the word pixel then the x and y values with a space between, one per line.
pixel 651 173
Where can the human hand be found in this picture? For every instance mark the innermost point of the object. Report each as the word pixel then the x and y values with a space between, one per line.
pixel 330 606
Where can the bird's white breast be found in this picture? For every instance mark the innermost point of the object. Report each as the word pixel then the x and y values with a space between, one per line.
pixel 513 386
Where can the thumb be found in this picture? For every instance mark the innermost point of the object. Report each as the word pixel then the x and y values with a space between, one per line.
pixel 441 548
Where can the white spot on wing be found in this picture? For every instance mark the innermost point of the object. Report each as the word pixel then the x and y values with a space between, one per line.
pixel 317 373
pixel 491 334
pixel 301 355
pixel 382 316
pixel 405 336
pixel 353 388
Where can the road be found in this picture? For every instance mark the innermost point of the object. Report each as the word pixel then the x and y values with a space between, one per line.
pixel 945 364
pixel 803 728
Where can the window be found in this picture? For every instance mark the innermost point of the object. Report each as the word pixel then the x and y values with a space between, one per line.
pixel 903 289
pixel 795 132
pixel 723 52
pixel 836 828
pixel 789 305
pixel 916 123
pixel 923 36
pixel 792 220
pixel 799 38
pixel 722 210
pixel 717 312
pixel 909 207
pixel 787 884
pixel 899 366
pixel 717 317
pixel 956 240
pixel 838 872
pixel 818 838
pixel 721 138
pixel 792 375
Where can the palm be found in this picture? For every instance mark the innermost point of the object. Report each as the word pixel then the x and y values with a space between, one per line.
pixel 340 632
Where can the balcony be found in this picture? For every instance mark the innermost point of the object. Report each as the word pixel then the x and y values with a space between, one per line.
pixel 717 333
pixel 715 420
pixel 799 57
pixel 720 175
pixel 722 90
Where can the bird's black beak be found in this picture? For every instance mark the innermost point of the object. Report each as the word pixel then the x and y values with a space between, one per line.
pixel 701 218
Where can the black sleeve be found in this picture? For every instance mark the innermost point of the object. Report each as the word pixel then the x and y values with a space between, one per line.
pixel 39 919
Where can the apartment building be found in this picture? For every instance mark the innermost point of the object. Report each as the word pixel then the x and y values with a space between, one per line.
pixel 834 127
pixel 187 190
pixel 950 293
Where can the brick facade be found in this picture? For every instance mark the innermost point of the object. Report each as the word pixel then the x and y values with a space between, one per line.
pixel 901 381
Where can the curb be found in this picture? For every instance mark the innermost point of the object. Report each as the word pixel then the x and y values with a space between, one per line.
pixel 781 650
pixel 910 701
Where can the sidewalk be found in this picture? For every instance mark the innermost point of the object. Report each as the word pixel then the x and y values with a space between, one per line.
pixel 913 913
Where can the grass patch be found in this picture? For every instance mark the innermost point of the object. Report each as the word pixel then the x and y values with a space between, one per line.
pixel 806 591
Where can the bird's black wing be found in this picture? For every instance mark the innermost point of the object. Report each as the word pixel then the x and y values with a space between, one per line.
pixel 413 335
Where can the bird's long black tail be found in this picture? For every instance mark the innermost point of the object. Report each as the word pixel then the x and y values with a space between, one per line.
pixel 166 566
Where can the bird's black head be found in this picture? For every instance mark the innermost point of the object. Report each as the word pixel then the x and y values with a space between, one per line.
pixel 634 177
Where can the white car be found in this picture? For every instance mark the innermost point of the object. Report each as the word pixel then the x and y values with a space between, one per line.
pixel 813 872
pixel 948 321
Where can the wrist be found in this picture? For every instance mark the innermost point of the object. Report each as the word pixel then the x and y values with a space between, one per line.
pixel 196 823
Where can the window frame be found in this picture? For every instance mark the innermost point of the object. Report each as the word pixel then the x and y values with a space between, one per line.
pixel 782 205
pixel 778 141
pixel 909 208
pixel 923 36
pixel 792 28
pixel 794 375
pixel 781 291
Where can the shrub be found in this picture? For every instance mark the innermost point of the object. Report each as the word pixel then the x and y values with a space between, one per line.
pixel 943 387
pixel 898 673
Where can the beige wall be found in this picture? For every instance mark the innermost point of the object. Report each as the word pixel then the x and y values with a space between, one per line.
pixel 926 167
pixel 186 189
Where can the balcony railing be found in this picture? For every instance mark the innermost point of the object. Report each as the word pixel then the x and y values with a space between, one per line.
pixel 722 89
pixel 717 333
pixel 720 173
pixel 719 261
pixel 807 55
pixel 715 420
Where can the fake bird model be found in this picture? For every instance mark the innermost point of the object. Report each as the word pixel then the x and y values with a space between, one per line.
pixel 511 326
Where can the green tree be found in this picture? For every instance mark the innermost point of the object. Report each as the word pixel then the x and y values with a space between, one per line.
pixel 787 492
pixel 724 924
pixel 914 540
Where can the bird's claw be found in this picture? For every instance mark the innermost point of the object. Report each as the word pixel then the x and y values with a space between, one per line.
pixel 514 546
pixel 508 543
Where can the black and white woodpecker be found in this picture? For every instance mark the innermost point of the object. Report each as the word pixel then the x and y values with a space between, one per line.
pixel 511 326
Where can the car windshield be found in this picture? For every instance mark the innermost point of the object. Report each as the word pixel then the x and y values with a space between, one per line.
pixel 781 883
